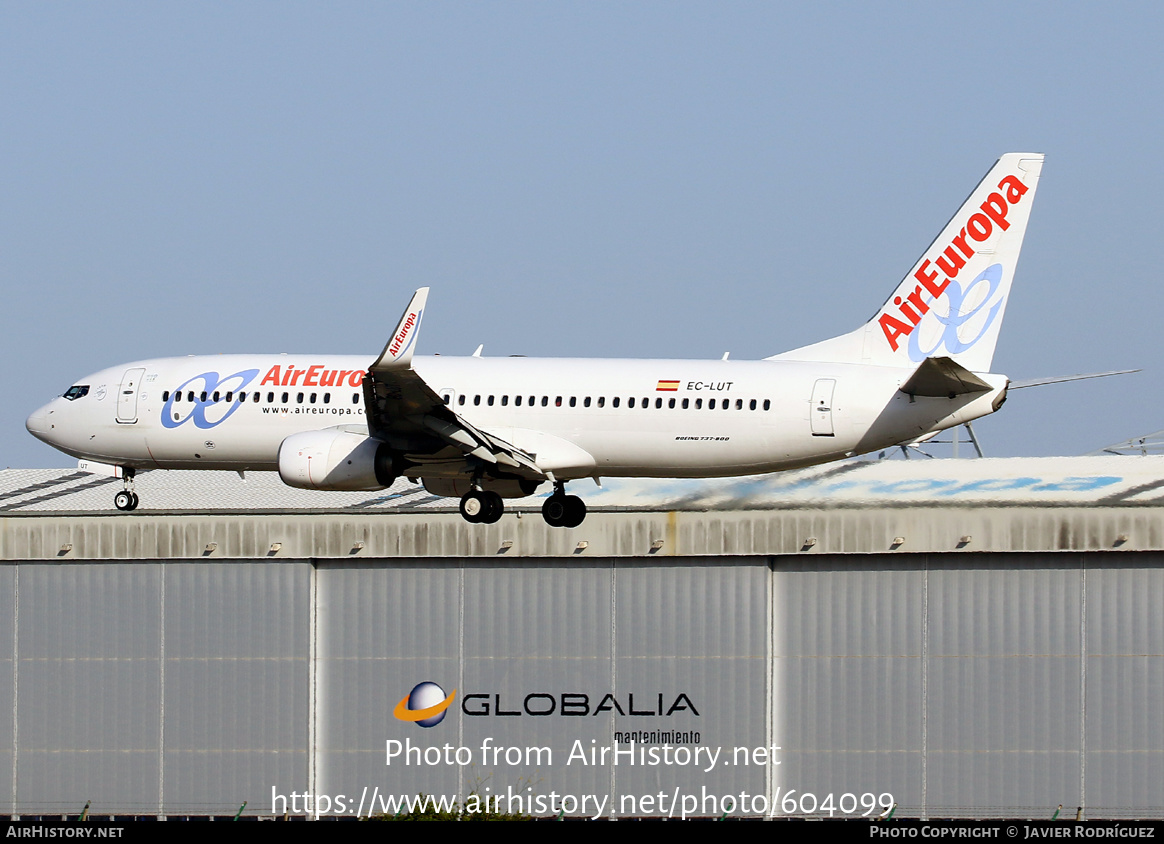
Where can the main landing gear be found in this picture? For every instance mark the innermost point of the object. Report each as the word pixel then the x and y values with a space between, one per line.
pixel 561 510
pixel 482 506
pixel 127 498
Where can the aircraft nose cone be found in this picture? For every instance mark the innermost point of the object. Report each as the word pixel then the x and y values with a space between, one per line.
pixel 38 423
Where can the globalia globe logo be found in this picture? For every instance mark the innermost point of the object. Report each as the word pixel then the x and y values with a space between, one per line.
pixel 425 704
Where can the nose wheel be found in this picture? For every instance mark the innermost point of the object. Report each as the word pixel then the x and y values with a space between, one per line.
pixel 482 506
pixel 126 499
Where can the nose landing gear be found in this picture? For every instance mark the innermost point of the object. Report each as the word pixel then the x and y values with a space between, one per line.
pixel 126 499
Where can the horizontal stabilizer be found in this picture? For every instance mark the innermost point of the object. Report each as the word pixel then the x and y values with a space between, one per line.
pixel 1038 382
pixel 942 377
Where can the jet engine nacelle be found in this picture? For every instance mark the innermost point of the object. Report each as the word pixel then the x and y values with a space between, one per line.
pixel 336 460
pixel 505 487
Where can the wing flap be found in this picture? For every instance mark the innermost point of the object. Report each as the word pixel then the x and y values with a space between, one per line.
pixel 481 445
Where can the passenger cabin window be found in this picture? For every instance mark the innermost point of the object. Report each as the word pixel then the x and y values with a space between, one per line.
pixel 77 392
pixel 327 398
pixel 573 401
pixel 767 404
pixel 476 401
pixel 586 402
pixel 461 399
pixel 166 395
pixel 355 398
pixel 285 397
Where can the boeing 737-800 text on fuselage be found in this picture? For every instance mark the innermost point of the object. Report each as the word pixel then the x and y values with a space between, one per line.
pixel 489 429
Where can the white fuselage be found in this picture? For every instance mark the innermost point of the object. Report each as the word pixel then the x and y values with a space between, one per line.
pixel 486 429
pixel 647 418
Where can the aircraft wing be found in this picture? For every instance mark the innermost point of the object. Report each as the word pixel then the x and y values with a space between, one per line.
pixel 407 413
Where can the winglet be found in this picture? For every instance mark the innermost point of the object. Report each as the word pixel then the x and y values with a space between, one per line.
pixel 397 353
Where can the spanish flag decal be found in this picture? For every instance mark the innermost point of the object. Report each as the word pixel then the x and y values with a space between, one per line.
pixel 667 387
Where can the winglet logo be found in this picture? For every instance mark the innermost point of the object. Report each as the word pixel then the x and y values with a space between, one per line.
pixel 425 704
pixel 399 345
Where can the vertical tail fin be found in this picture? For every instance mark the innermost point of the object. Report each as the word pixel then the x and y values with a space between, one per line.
pixel 952 302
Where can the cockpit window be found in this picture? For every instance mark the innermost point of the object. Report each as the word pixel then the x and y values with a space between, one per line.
pixel 76 392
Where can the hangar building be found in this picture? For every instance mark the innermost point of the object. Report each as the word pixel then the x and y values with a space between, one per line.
pixel 960 638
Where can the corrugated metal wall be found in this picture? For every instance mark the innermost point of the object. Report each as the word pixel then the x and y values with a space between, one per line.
pixel 114 662
pixel 963 684
pixel 976 684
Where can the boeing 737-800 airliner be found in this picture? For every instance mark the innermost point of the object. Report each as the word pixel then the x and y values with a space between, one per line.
pixel 489 429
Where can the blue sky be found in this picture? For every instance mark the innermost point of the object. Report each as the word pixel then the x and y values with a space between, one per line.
pixel 600 179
